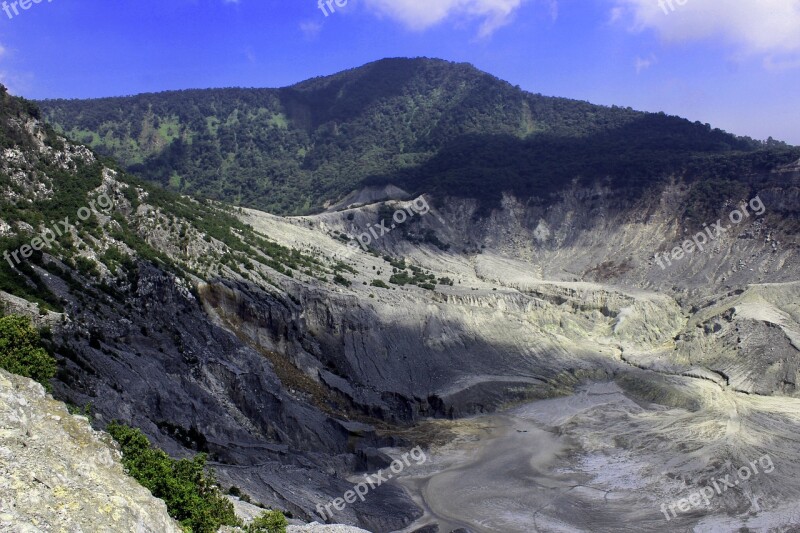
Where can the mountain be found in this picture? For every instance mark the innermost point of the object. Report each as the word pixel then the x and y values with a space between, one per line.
pixel 301 353
pixel 426 126
pixel 119 274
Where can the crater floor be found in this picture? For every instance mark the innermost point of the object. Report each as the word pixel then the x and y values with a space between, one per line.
pixel 602 460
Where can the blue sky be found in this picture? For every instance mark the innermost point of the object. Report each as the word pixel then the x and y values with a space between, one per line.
pixel 732 63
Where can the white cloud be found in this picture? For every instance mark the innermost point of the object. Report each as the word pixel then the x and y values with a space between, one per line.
pixel 645 63
pixel 422 14
pixel 310 29
pixel 7 80
pixel 754 27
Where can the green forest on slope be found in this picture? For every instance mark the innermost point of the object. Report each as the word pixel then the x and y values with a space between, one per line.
pixel 428 126
pixel 116 240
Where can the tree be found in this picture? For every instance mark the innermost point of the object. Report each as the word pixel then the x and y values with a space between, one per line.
pixel 21 352
pixel 191 494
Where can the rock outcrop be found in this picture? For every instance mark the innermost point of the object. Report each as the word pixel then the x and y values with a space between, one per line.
pixel 58 474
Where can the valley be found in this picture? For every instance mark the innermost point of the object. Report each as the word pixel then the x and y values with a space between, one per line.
pixel 603 460
pixel 522 333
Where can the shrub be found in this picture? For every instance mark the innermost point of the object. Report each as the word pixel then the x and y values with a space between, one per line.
pixel 87 267
pixel 268 522
pixel 21 352
pixel 341 280
pixel 401 278
pixel 191 494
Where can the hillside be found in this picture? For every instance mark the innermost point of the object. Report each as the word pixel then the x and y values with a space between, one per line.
pixel 299 360
pixel 120 271
pixel 427 126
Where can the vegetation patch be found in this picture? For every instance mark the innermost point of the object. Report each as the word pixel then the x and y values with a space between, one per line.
pixel 21 352
pixel 191 494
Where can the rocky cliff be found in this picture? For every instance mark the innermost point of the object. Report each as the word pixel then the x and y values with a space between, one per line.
pixel 293 356
pixel 58 474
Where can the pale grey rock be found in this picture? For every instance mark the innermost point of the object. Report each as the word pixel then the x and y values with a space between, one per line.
pixel 268 375
pixel 58 474
pixel 246 511
pixel 369 195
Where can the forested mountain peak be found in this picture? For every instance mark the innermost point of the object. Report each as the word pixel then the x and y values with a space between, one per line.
pixel 425 125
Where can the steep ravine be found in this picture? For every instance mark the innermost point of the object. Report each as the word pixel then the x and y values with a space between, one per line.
pixel 298 368
pixel 293 382
pixel 407 353
pixel 502 333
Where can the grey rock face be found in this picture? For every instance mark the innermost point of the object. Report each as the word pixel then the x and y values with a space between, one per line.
pixel 272 382
pixel 193 386
pixel 293 385
pixel 58 474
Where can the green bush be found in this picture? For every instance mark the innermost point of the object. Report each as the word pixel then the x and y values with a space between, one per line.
pixel 21 352
pixel 268 522
pixel 341 280
pixel 87 267
pixel 191 494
